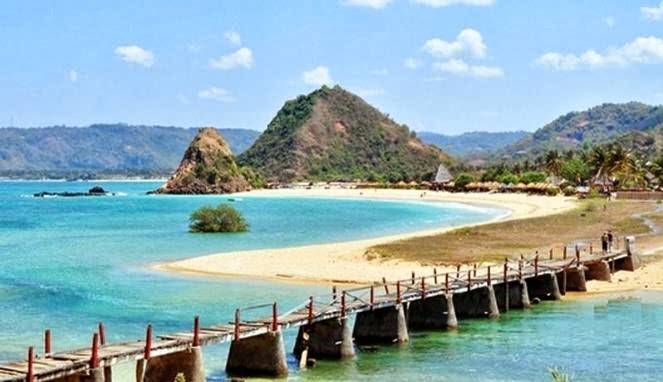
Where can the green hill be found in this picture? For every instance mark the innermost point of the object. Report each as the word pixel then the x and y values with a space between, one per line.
pixel 596 126
pixel 474 144
pixel 116 149
pixel 332 134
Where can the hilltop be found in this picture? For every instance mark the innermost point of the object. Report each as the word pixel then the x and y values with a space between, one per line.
pixel 207 167
pixel 596 126
pixel 116 149
pixel 332 134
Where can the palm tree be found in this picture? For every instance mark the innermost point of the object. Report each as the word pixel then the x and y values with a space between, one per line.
pixel 553 162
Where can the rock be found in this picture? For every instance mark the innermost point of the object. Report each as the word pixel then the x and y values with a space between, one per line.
pixel 207 167
pixel 96 190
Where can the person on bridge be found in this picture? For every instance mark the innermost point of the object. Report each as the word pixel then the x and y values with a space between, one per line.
pixel 604 242
pixel 610 239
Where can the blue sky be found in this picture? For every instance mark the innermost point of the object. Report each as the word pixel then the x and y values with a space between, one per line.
pixel 447 66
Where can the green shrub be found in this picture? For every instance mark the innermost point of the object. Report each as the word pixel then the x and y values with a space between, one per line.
pixel 463 179
pixel 223 218
pixel 533 177
pixel 559 375
pixel 507 178
pixel 552 191
pixel 569 191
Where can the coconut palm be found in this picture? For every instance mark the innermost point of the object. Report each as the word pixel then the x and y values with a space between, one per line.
pixel 553 162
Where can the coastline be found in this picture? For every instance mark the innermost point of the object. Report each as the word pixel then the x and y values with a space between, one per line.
pixel 344 262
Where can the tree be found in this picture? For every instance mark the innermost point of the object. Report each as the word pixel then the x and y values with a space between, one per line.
pixel 576 171
pixel 223 218
pixel 463 179
pixel 533 177
pixel 553 162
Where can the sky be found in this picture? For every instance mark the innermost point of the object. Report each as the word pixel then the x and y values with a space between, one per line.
pixel 447 66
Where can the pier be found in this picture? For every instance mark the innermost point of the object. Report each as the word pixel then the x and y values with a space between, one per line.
pixel 384 313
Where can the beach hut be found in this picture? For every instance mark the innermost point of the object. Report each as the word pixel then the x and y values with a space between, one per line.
pixel 443 176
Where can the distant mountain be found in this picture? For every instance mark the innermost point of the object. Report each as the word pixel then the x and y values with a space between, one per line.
pixel 598 125
pixel 473 144
pixel 207 167
pixel 332 134
pixel 103 148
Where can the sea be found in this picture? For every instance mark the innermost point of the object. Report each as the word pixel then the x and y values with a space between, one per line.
pixel 67 264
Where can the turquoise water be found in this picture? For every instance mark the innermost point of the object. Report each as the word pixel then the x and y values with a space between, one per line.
pixel 68 263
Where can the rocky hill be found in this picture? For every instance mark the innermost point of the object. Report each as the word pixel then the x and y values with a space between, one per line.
pixel 598 125
pixel 103 148
pixel 207 167
pixel 332 134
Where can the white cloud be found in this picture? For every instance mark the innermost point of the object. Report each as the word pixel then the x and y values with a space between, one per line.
pixel 411 63
pixel 468 42
pixel 216 94
pixel 375 4
pixel 233 37
pixel 317 76
pixel 135 54
pixel 459 67
pixel 446 3
pixel 653 13
pixel 642 50
pixel 610 22
pixel 241 57
pixel 73 75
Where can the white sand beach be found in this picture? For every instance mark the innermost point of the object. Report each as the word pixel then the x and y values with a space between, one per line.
pixel 345 262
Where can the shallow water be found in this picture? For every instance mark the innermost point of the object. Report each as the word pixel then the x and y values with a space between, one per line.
pixel 68 263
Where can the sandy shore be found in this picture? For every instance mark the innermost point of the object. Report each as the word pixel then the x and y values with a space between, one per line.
pixel 345 262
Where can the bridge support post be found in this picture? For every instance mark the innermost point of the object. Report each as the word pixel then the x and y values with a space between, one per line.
pixel 575 279
pixel 480 302
pixel 381 326
pixel 165 368
pixel 331 339
pixel 432 313
pixel 262 355
pixel 628 263
pixel 94 375
pixel 543 287
pixel 561 281
pixel 510 295
pixel 598 271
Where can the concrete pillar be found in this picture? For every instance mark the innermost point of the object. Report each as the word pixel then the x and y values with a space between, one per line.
pixel 598 271
pixel 510 293
pixel 543 287
pixel 452 321
pixel 381 326
pixel 561 281
pixel 431 313
pixel 524 295
pixel 165 368
pixel 262 355
pixel 480 302
pixel 330 339
pixel 575 279
pixel 628 263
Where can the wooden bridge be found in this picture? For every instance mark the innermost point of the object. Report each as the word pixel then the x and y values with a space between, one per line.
pixel 384 312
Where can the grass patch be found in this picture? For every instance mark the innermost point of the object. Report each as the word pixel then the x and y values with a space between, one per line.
pixel 494 242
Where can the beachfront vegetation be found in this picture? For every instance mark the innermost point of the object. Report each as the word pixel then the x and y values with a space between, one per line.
pixel 223 218
pixel 493 242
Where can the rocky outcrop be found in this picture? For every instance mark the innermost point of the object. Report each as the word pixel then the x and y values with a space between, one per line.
pixel 208 167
